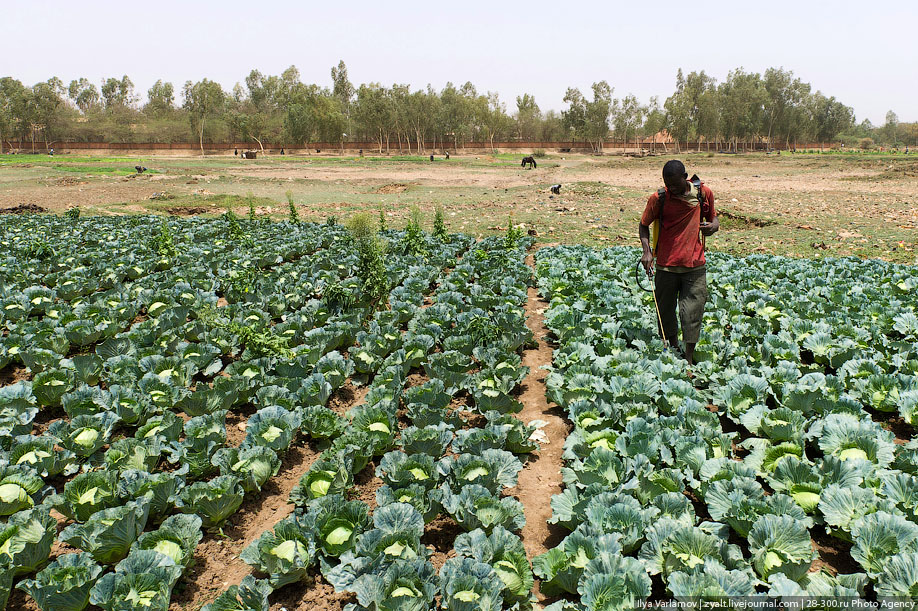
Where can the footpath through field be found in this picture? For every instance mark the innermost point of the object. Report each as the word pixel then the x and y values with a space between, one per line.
pixel 541 476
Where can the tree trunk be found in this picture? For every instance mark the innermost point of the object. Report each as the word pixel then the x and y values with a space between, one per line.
pixel 201 135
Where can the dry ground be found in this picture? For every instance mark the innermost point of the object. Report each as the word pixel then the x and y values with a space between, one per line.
pixel 803 205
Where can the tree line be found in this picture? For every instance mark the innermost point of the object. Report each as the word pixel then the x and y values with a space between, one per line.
pixel 774 107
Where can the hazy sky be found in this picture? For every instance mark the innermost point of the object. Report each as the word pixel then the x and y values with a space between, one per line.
pixel 863 53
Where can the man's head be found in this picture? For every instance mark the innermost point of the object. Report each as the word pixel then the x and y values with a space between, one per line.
pixel 674 176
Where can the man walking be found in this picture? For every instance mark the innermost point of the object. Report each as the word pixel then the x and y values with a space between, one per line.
pixel 685 211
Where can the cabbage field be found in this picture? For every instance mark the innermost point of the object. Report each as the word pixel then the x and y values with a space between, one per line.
pixel 730 485
pixel 159 376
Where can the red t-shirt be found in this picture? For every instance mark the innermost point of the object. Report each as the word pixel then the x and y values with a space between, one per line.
pixel 679 244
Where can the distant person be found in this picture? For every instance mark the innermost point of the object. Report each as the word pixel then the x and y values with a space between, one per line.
pixel 431 157
pixel 683 209
pixel 282 151
pixel 235 152
pixel 556 189
pixel 51 153
pixel 906 149
pixel 447 155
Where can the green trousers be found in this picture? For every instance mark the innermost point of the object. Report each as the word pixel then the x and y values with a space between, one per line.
pixel 688 291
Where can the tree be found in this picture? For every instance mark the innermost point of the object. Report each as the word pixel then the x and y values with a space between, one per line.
pixel 373 112
pixel 342 89
pixel 890 129
pixel 84 94
pixel 118 93
pixel 43 106
pixel 493 117
pixel 627 117
pixel 831 118
pixel 202 99
pixel 528 117
pixel 655 122
pixel 685 107
pixel 160 98
pixel 574 118
pixel 14 109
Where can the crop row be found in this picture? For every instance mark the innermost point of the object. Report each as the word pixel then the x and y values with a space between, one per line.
pixel 140 336
pixel 445 444
pixel 717 486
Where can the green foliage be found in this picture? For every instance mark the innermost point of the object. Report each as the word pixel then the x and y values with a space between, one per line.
pixel 234 230
pixel 164 241
pixel 371 268
pixel 72 214
pixel 382 221
pixel 250 200
pixel 294 215
pixel 439 225
pixel 259 339
pixel 413 242
pixel 513 234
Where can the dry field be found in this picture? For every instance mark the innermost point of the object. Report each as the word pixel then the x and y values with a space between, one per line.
pixel 802 205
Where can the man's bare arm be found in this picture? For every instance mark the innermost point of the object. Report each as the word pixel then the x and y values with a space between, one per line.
pixel 647 257
pixel 712 227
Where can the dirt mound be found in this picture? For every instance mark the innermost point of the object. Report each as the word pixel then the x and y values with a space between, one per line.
pixel 186 210
pixel 23 209
pixel 69 181
pixel 396 187
pixel 736 221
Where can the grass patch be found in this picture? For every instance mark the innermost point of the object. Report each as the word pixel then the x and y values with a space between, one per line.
pixel 101 169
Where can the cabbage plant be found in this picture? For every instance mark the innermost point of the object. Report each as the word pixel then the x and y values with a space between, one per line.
pixel 64 584
pixel 143 580
pixel 254 465
pixel 108 534
pixel 177 537
pixel 285 555
pixel 213 501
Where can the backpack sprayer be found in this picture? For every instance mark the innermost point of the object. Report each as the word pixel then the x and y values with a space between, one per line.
pixel 655 229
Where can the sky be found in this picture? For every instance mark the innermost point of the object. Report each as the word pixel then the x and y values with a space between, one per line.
pixel 863 53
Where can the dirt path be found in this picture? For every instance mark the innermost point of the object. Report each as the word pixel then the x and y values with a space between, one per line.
pixel 217 562
pixel 541 477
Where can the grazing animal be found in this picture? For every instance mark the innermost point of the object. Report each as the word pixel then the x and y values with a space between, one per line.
pixel 140 169
pixel 529 160
pixel 556 189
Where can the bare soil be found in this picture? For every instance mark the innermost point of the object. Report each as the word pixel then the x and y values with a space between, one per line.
pixel 14 373
pixel 541 475
pixel 22 209
pixel 800 205
pixel 217 564
pixel 188 210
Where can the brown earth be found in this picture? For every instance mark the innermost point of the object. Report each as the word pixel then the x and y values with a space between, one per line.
pixel 187 210
pixel 541 475
pixel 217 563
pixel 316 596
pixel 22 209
pixel 393 188
pixel 14 373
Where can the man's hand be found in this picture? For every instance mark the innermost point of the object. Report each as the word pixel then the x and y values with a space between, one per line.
pixel 711 228
pixel 647 262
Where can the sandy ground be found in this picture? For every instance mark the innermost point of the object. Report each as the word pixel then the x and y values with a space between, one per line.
pixel 803 205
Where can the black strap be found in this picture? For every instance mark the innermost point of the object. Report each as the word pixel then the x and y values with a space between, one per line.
pixel 661 197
